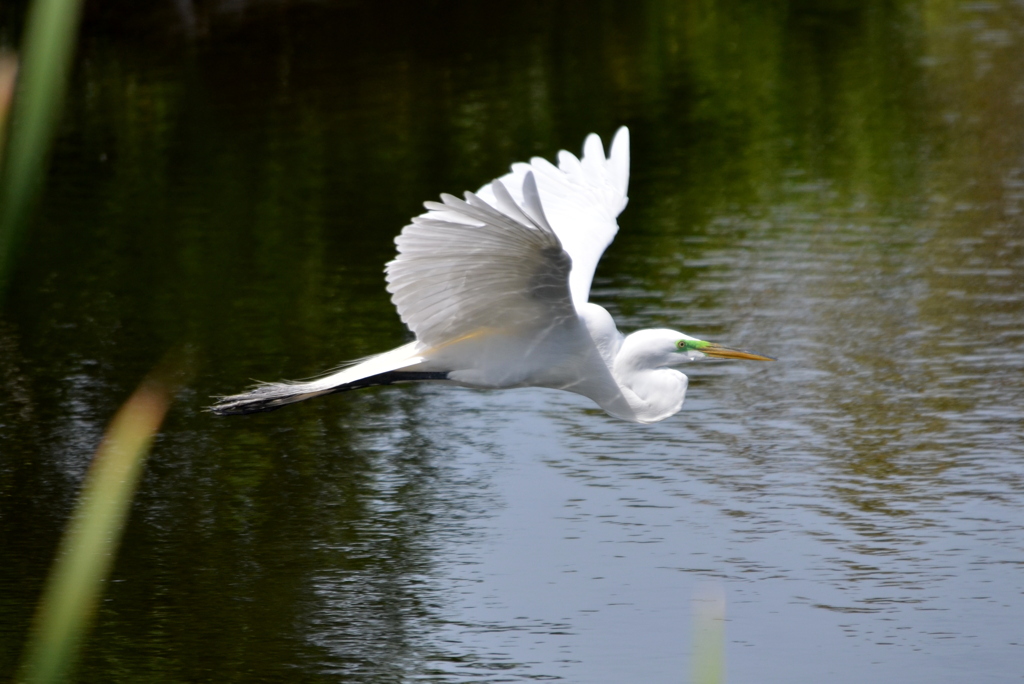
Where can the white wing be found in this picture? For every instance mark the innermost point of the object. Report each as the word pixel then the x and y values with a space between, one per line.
pixel 463 267
pixel 581 199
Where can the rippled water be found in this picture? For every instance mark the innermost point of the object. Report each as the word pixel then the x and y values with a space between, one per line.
pixel 839 185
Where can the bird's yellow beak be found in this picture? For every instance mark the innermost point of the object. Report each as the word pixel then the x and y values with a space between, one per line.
pixel 717 351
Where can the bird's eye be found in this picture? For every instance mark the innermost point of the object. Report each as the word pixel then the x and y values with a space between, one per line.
pixel 681 344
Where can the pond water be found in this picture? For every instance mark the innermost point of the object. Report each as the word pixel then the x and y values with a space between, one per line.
pixel 837 184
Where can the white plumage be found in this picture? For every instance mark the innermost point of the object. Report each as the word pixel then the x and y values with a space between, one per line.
pixel 495 288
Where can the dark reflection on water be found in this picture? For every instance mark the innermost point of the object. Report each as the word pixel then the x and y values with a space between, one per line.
pixel 836 184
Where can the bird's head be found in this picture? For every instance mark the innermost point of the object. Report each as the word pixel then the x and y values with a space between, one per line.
pixel 659 348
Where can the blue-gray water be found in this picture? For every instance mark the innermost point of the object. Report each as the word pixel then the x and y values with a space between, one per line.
pixel 837 184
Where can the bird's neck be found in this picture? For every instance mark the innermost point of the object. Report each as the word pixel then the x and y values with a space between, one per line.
pixel 601 327
pixel 653 393
pixel 639 393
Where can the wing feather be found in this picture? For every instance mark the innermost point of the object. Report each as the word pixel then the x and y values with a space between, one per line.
pixel 468 265
pixel 581 198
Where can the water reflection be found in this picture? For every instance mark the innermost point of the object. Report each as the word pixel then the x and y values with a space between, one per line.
pixel 838 184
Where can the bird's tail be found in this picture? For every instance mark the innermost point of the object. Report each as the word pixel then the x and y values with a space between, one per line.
pixel 383 369
pixel 268 396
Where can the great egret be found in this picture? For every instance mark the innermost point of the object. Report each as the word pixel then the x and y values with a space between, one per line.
pixel 495 289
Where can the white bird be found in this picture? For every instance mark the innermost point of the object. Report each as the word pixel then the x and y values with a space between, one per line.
pixel 495 289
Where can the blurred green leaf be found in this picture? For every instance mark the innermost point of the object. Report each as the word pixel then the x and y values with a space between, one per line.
pixel 89 545
pixel 47 50
pixel 708 658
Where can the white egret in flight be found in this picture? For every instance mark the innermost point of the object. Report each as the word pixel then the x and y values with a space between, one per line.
pixel 495 289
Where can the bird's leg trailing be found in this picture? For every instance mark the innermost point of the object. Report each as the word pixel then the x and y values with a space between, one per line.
pixel 274 395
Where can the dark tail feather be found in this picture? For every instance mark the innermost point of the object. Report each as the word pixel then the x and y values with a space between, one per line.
pixel 273 395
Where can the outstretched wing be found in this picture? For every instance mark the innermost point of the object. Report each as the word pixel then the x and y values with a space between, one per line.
pixel 581 198
pixel 466 266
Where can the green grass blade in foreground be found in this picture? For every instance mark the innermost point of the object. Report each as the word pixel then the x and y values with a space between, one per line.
pixel 46 53
pixel 90 542
pixel 708 657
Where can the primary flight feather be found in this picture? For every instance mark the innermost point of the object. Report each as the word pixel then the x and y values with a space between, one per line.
pixel 495 288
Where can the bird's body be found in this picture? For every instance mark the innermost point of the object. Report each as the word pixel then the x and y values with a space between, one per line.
pixel 495 289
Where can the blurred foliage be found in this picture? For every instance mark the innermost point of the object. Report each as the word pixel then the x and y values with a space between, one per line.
pixel 89 545
pixel 48 48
